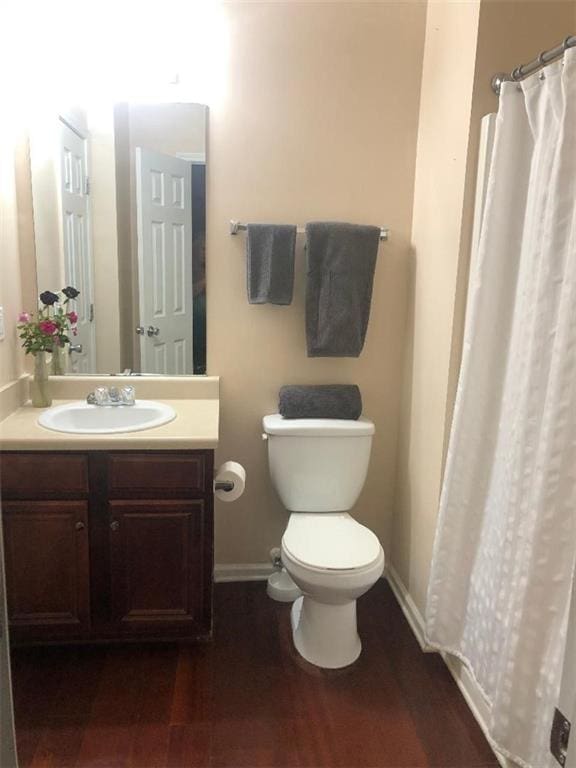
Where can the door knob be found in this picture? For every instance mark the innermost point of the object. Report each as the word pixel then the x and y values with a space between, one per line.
pixel 114 525
pixel 75 348
pixel 80 526
pixel 140 330
pixel 152 331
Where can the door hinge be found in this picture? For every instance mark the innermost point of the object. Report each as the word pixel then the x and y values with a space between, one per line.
pixel 91 313
pixel 559 736
pixel 87 186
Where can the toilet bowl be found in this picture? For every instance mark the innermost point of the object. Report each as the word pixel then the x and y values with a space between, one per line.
pixel 318 467
pixel 333 560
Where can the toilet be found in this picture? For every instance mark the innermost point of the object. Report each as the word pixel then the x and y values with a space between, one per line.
pixel 318 468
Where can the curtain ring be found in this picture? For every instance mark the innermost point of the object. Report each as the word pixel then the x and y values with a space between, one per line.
pixel 565 45
pixel 517 73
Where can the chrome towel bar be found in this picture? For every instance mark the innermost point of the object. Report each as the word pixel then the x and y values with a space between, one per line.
pixel 237 226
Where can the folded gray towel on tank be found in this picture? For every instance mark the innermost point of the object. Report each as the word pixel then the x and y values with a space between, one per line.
pixel 270 263
pixel 341 263
pixel 324 401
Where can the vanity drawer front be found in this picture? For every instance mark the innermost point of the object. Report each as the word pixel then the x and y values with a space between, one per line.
pixel 43 475
pixel 150 475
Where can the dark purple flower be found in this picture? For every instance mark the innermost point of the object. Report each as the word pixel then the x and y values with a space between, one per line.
pixel 48 298
pixel 70 292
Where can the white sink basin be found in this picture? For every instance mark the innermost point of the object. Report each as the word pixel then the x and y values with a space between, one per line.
pixel 82 419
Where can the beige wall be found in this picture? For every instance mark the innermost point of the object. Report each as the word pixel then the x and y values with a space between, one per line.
pixel 124 232
pixel 483 38
pixel 319 122
pixel 445 108
pixel 104 238
pixel 168 128
pixel 11 294
pixel 44 158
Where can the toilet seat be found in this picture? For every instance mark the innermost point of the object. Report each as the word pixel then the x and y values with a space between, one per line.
pixel 331 541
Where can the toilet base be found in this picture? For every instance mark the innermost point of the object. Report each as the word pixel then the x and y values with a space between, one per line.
pixel 325 635
pixel 280 587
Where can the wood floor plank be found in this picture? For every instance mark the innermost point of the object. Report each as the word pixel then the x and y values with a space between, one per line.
pixel 78 686
pixel 193 688
pixel 150 746
pixel 59 746
pixel 111 728
pixel 190 746
pixel 247 699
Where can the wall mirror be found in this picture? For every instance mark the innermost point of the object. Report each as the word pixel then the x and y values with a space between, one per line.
pixel 119 205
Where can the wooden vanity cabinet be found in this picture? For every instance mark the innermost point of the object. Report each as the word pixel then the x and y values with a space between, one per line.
pixel 46 554
pixel 108 546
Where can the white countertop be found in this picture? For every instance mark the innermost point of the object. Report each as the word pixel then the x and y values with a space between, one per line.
pixel 195 426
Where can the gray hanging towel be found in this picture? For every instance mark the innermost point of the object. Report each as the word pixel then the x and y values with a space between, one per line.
pixel 341 263
pixel 270 263
pixel 320 401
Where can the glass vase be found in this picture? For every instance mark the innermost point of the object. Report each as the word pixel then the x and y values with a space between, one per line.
pixel 40 384
pixel 58 361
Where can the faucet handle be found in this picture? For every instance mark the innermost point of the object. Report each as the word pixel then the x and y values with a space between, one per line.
pixel 128 395
pixel 102 395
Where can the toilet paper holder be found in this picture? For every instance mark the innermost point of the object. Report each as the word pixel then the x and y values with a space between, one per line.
pixel 229 481
pixel 223 485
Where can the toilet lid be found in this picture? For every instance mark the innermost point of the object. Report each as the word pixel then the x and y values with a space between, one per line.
pixel 333 541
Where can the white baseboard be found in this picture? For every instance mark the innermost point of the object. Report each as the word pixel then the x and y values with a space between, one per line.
pixel 242 572
pixel 468 687
pixel 408 606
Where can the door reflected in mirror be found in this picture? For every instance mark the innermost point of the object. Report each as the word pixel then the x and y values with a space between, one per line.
pixel 120 213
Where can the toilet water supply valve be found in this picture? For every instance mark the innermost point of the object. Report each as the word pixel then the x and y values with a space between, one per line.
pixel 280 585
pixel 276 558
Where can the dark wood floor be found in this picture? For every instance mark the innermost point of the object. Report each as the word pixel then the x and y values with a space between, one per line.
pixel 246 699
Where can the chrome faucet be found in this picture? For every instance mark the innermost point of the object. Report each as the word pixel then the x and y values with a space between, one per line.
pixel 115 396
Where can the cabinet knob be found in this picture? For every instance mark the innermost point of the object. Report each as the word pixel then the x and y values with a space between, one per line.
pixel 114 525
pixel 80 526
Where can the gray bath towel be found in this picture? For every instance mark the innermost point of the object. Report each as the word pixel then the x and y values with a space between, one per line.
pixel 341 263
pixel 270 263
pixel 325 401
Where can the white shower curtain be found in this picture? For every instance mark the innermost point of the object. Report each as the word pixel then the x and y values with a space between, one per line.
pixel 506 540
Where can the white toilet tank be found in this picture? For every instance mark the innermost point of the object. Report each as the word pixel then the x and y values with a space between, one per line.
pixel 318 465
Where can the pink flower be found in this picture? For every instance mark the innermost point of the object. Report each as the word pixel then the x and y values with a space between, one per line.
pixel 73 317
pixel 48 327
pixel 24 317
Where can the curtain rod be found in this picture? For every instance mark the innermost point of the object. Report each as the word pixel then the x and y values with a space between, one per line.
pixel 237 226
pixel 546 57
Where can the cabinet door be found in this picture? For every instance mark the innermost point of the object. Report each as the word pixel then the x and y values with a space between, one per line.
pixel 47 578
pixel 156 558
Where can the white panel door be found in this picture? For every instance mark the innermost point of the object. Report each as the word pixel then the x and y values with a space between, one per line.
pixel 164 211
pixel 78 268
